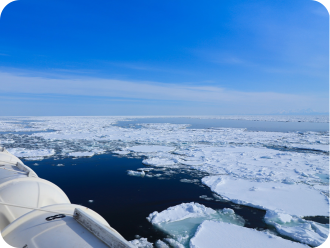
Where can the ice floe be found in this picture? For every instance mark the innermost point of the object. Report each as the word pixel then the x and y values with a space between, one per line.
pixel 181 221
pixel 296 199
pixel 26 153
pixel 304 231
pixel 136 173
pixel 213 234
pixel 81 154
pixel 141 243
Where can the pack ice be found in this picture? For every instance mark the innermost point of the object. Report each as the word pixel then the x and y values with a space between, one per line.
pixel 194 225
pixel 286 172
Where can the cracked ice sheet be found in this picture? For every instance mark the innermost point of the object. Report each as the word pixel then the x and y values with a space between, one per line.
pixel 294 199
pixel 26 153
pixel 211 234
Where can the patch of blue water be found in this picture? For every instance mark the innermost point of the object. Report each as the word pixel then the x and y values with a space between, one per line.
pixel 268 126
pixel 324 178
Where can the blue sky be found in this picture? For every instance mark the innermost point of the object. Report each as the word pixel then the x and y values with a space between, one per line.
pixel 164 57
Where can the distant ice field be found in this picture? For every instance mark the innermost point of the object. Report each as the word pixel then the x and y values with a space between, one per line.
pixel 279 164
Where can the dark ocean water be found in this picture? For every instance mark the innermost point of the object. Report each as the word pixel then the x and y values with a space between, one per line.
pixel 125 201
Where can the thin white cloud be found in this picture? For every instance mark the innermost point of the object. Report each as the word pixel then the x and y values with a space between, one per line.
pixel 196 95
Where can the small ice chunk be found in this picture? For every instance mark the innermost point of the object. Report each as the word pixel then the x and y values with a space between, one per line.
pixel 81 154
pixel 90 201
pixel 121 152
pixel 180 212
pixel 160 161
pixel 141 243
pixel 186 181
pixel 60 165
pixel 145 169
pixel 211 233
pixel 136 173
pixel 228 211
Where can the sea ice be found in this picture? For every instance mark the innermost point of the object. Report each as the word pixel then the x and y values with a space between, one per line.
pixel 26 153
pixel 269 170
pixel 161 244
pixel 304 231
pixel 147 149
pixel 141 243
pixel 145 169
pixel 81 154
pixel 181 221
pixel 158 161
pixel 136 173
pixel 121 152
pixel 213 234
pixel 173 243
pixel 297 199
pixel 189 180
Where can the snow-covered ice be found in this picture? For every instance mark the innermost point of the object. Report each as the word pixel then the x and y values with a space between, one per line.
pixel 181 221
pixel 26 153
pixel 304 231
pixel 297 199
pixel 136 173
pixel 81 154
pixel 141 243
pixel 212 234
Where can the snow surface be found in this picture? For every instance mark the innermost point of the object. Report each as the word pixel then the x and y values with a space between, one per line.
pixel 212 234
pixel 298 199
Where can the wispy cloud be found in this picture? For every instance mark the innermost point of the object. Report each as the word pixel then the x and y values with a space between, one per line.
pixel 147 67
pixel 143 90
